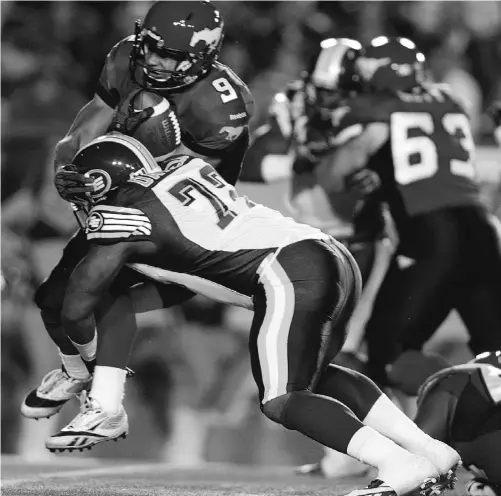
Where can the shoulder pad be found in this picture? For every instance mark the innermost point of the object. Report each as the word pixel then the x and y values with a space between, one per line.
pixel 118 56
pixel 111 224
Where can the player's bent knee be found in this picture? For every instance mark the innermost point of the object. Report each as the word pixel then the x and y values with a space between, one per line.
pixel 49 296
pixel 274 408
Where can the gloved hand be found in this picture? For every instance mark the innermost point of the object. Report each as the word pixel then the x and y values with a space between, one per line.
pixel 72 185
pixel 365 181
pixel 126 119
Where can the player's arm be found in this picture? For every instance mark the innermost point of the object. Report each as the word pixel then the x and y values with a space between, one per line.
pixel 270 156
pixel 335 171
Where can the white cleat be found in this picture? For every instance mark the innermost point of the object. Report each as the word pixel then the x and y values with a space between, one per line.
pixel 56 388
pixel 446 460
pixel 334 465
pixel 90 427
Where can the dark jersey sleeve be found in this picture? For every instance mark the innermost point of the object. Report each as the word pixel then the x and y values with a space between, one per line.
pixel 120 218
pixel 114 81
pixel 216 112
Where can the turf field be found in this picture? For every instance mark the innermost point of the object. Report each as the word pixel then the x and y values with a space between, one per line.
pixel 74 476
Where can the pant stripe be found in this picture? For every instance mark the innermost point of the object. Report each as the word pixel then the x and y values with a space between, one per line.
pixel 273 335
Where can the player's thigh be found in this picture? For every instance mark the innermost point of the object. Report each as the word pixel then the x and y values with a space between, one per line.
pixel 479 306
pixel 302 304
pixel 50 294
pixel 151 295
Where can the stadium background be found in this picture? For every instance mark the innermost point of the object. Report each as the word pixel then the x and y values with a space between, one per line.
pixel 192 397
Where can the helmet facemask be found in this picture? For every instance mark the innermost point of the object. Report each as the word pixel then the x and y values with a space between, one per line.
pixel 190 66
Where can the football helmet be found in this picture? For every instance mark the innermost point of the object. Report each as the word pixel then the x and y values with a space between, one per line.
pixel 190 33
pixel 489 358
pixel 391 63
pixel 332 75
pixel 111 160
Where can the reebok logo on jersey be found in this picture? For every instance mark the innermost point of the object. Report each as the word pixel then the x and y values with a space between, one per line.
pixel 210 36
pixel 232 133
pixel 235 117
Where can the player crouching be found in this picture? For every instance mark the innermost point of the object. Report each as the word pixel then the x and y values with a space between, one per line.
pixel 461 405
pixel 186 224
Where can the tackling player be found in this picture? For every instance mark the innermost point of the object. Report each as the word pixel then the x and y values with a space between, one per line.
pixel 417 137
pixel 302 128
pixel 461 406
pixel 188 221
pixel 173 52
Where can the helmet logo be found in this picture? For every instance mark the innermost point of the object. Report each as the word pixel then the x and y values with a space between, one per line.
pixel 94 222
pixel 102 182
pixel 210 36
pixel 232 133
pixel 367 67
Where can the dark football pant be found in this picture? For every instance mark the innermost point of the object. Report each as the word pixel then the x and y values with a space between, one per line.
pixel 302 302
pixel 457 265
pixel 49 297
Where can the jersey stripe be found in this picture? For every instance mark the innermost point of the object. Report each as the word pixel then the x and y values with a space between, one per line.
pixel 109 222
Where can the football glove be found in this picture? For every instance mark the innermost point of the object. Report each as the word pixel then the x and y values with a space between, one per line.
pixel 365 181
pixel 72 185
pixel 126 119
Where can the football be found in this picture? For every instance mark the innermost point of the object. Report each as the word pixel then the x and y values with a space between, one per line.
pixel 160 133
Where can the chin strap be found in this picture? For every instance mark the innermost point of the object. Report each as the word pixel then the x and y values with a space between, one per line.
pixel 126 119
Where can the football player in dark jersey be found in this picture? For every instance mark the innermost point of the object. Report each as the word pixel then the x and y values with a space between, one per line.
pixel 417 137
pixel 301 129
pixel 187 222
pixel 461 405
pixel 173 52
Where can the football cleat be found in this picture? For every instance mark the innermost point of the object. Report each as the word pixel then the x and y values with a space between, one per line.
pixel 56 388
pixel 90 427
pixel 429 487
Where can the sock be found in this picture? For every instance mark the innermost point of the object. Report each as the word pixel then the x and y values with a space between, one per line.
pixel 386 418
pixel 87 350
pixel 75 366
pixel 108 387
pixel 397 468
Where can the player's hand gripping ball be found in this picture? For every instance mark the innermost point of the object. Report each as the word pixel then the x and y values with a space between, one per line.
pixel 160 133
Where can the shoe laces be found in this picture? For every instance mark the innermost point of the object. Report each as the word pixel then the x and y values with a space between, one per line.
pixel 51 380
pixel 88 406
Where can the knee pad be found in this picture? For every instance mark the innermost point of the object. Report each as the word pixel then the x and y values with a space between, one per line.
pixel 274 408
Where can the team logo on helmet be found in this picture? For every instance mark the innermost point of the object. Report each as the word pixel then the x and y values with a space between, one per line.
pixel 210 36
pixel 367 67
pixel 102 182
pixel 94 222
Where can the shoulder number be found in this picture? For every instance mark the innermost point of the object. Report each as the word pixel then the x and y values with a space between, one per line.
pixel 416 158
pixel 210 186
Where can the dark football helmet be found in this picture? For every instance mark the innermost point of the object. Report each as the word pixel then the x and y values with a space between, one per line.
pixel 489 358
pixel 191 33
pixel 111 160
pixel 392 64
pixel 332 75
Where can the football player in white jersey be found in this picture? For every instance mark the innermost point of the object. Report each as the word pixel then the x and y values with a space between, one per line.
pixel 187 224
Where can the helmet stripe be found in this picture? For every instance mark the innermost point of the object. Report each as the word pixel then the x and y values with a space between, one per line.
pixel 145 157
pixel 328 66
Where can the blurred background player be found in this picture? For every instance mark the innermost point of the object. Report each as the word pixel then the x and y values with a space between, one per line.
pixel 417 137
pixel 461 406
pixel 179 61
pixel 302 128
